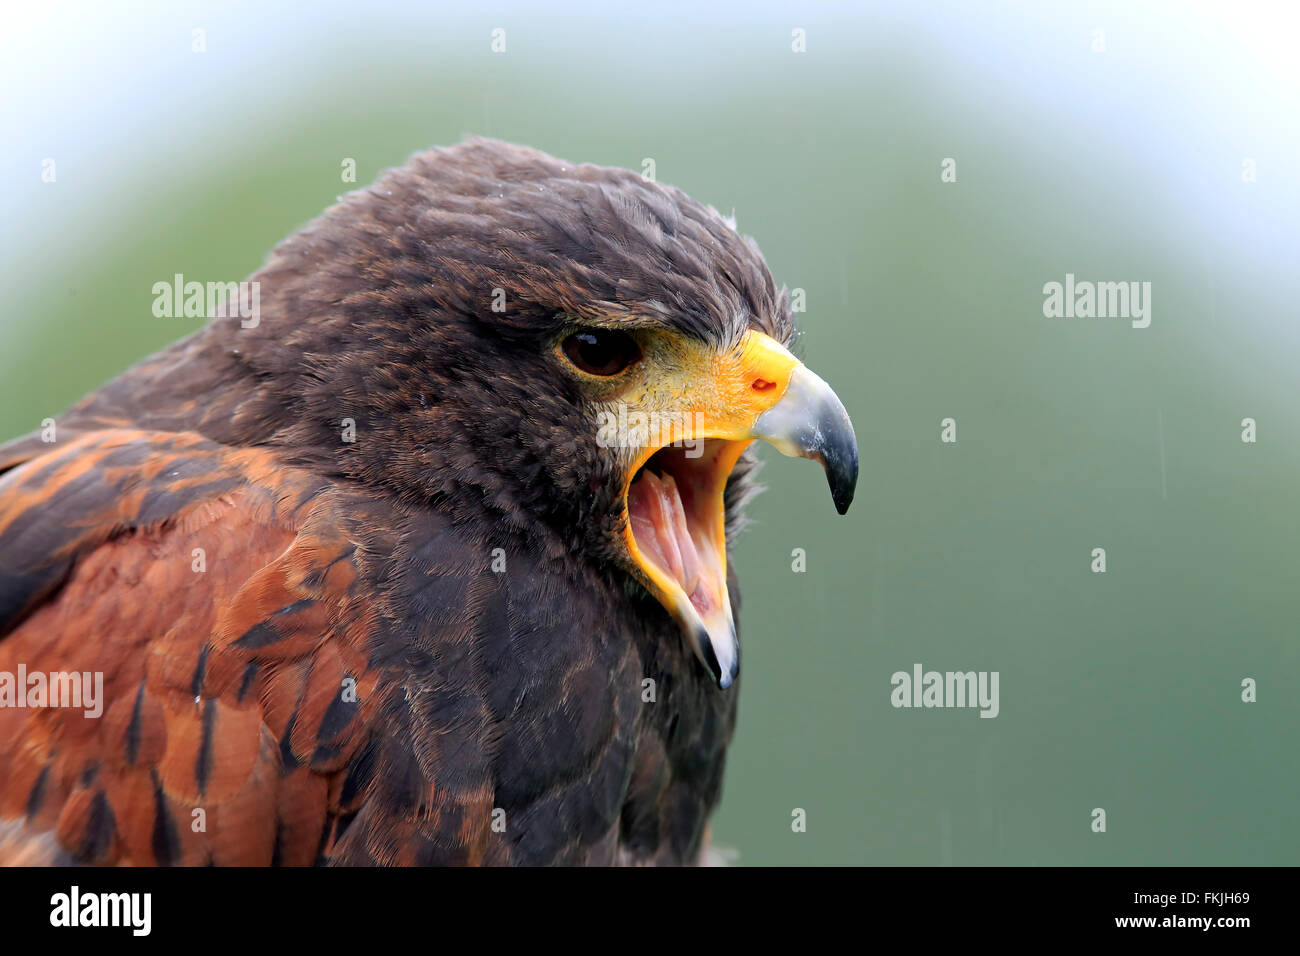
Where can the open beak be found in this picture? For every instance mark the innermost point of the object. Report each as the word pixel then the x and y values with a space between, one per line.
pixel 675 517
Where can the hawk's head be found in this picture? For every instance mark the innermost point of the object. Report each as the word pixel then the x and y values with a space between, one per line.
pixel 580 354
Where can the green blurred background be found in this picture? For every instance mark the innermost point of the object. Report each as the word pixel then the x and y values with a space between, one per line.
pixel 924 301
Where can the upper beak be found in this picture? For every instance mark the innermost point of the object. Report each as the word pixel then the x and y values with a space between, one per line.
pixel 810 422
pixel 760 391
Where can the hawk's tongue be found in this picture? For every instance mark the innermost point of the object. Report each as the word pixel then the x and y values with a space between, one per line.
pixel 659 525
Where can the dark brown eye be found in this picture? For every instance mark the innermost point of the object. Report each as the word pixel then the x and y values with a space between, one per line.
pixel 603 352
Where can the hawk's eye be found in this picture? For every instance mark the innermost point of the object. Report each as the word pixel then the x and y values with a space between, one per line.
pixel 603 352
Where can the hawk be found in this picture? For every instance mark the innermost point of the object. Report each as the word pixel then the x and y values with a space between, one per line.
pixel 426 565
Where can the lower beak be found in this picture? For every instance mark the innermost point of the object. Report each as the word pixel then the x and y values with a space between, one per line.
pixel 675 512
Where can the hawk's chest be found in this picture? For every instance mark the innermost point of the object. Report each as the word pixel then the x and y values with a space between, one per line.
pixel 577 720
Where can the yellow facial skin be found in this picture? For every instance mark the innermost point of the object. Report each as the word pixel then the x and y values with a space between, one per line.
pixel 683 392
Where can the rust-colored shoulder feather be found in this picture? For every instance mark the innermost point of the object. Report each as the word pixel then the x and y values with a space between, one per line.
pixel 214 593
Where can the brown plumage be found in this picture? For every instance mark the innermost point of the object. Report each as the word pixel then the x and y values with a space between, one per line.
pixel 430 644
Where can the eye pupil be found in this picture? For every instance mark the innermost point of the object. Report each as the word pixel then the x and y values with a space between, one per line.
pixel 603 352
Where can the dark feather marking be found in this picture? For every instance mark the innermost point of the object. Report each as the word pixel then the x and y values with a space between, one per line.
pixel 246 682
pixel 337 717
pixel 321 755
pixel 263 634
pixel 316 577
pixel 166 840
pixel 196 685
pixel 203 764
pixel 133 727
pixel 288 762
pixel 37 796
pixel 360 772
pixel 97 836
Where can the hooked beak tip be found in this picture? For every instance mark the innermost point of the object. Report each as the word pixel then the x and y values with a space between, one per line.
pixel 841 467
